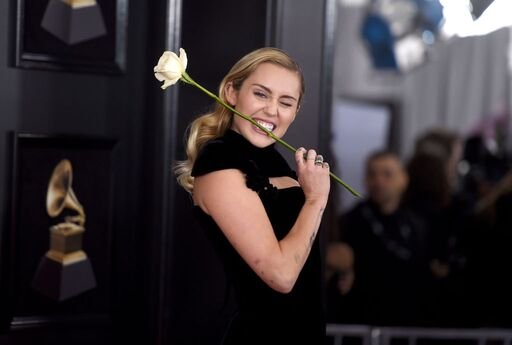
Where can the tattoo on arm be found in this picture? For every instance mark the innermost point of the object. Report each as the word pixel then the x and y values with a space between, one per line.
pixel 299 257
pixel 312 239
pixel 319 219
pixel 313 235
pixel 317 225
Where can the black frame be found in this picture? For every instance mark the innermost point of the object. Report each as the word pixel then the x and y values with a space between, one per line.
pixel 33 158
pixel 52 54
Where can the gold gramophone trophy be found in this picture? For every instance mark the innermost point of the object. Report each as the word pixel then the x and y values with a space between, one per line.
pixel 65 271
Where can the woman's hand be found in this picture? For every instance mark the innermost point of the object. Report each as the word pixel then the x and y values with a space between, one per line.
pixel 313 175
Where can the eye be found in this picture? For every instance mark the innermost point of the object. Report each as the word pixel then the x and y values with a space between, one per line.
pixel 260 94
pixel 286 104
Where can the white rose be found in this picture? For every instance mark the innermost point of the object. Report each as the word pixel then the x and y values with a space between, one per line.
pixel 170 67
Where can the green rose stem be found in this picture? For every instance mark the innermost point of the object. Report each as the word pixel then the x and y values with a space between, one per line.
pixel 187 79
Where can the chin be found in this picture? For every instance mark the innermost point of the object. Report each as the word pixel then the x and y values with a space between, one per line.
pixel 259 140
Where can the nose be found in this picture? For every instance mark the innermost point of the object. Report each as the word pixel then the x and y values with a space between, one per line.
pixel 271 108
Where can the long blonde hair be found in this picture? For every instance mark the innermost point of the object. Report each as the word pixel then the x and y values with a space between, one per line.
pixel 215 123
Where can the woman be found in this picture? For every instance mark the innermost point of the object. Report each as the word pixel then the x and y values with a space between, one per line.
pixel 261 216
pixel 446 214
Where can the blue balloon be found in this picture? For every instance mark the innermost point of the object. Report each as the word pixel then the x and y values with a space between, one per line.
pixel 431 12
pixel 376 32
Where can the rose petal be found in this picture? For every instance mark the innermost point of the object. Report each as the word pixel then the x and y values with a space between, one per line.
pixel 169 65
pixel 168 71
pixel 168 83
pixel 183 59
pixel 165 78
pixel 163 59
pixel 159 76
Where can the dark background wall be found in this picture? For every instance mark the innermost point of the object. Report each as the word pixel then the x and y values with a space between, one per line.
pixel 46 102
pixel 167 286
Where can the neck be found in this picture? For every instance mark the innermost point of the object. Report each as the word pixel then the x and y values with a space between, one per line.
pixel 389 206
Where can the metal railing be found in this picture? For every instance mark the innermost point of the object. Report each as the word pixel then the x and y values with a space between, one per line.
pixel 385 335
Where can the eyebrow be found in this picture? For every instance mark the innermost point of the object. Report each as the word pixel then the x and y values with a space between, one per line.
pixel 270 91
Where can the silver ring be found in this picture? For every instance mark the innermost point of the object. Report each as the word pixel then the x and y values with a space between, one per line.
pixel 319 160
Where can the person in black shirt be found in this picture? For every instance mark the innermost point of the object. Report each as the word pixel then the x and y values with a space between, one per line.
pixel 434 197
pixel 387 242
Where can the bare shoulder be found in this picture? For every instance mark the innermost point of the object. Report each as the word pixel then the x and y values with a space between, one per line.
pixel 240 215
pixel 220 187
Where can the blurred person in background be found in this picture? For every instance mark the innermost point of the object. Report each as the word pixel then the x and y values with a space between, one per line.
pixel 498 285
pixel 387 244
pixel 486 163
pixel 342 302
pixel 433 197
pixel 492 258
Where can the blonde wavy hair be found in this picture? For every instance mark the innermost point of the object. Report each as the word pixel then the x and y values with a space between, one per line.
pixel 214 124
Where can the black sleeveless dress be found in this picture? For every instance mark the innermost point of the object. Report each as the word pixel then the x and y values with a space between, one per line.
pixel 263 315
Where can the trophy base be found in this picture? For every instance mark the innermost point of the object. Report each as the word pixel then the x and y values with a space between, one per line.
pixel 73 24
pixel 62 281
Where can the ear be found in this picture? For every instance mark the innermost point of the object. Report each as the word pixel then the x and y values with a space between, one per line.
pixel 231 94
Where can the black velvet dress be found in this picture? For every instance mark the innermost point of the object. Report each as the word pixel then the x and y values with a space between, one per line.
pixel 263 315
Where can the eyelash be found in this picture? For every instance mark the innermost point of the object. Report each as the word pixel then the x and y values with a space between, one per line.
pixel 261 94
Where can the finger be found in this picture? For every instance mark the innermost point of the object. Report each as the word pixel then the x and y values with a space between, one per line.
pixel 319 160
pixel 299 156
pixel 325 165
pixel 310 158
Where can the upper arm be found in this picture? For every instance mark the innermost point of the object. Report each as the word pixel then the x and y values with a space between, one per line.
pixel 239 213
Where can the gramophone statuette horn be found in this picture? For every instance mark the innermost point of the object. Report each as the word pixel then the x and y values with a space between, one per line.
pixel 65 270
pixel 60 194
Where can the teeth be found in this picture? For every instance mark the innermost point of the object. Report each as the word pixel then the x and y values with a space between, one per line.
pixel 267 125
